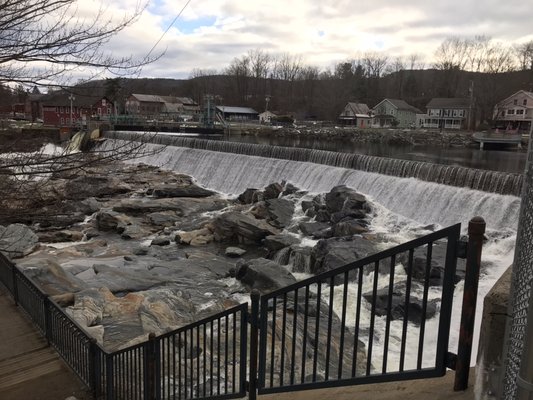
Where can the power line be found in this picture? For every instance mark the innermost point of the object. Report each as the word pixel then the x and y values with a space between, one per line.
pixel 166 31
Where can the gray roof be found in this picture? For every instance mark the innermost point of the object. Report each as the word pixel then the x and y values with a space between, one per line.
pixel 237 110
pixel 148 98
pixel 529 94
pixel 62 98
pixel 359 108
pixel 448 102
pixel 402 105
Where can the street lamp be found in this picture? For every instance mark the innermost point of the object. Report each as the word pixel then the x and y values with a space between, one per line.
pixel 71 98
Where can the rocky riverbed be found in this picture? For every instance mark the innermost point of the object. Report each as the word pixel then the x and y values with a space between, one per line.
pixel 129 250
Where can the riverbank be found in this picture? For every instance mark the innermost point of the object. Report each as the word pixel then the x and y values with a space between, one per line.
pixel 395 137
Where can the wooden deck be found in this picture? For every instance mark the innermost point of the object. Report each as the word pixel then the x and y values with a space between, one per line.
pixel 29 368
pixel 501 138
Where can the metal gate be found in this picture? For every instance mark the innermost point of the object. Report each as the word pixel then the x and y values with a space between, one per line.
pixel 365 322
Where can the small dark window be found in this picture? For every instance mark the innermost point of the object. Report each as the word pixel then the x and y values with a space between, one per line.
pixel 524 102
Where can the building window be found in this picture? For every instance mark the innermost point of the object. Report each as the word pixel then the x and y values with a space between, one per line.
pixel 515 102
pixel 519 112
pixel 99 111
pixel 62 121
pixel 510 112
pixel 524 102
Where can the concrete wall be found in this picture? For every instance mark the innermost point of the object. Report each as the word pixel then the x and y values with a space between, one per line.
pixel 491 340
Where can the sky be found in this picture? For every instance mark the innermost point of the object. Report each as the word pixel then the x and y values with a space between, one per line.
pixel 210 33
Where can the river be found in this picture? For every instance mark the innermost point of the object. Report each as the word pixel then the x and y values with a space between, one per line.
pixel 494 158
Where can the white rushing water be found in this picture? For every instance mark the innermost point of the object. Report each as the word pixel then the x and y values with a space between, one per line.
pixel 404 205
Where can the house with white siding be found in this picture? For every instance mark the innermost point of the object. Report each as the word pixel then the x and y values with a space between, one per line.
pixel 515 112
pixel 447 113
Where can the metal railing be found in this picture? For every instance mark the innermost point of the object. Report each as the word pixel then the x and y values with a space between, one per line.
pixel 206 359
pixel 365 322
pixel 361 323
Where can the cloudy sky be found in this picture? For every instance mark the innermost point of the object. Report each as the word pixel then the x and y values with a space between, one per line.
pixel 210 33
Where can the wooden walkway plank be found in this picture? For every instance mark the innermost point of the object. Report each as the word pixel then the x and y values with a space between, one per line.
pixel 29 368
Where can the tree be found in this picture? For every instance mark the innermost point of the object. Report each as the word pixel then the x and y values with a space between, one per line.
pixel 239 71
pixel 27 171
pixel 43 41
pixel 524 54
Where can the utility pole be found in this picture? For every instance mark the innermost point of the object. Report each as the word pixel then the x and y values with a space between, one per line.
pixel 471 106
pixel 71 98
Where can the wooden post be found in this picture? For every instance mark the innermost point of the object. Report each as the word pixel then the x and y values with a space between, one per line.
pixel 476 230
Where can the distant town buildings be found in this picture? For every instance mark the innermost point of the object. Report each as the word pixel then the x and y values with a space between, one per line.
pixel 266 117
pixel 237 113
pixel 394 113
pixel 448 113
pixel 162 107
pixel 515 112
pixel 356 114
pixel 66 109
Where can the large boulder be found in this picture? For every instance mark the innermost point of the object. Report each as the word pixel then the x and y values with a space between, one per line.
pixel 107 220
pixel 272 191
pixel 60 236
pixel 95 186
pixel 297 256
pixel 182 206
pixel 250 196
pixel 179 190
pixel 236 226
pixel 344 198
pixel 198 237
pixel 335 252
pixel 163 218
pixel 263 275
pixel 51 277
pixel 277 242
pixel 277 212
pixel 349 228
pixel 398 305
pixel 311 228
pixel 17 240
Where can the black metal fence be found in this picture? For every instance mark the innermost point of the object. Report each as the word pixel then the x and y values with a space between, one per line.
pixel 206 359
pixel 365 322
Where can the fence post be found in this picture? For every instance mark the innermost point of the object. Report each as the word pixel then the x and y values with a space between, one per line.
pixel 94 368
pixel 476 230
pixel 150 388
pixel 109 380
pixel 15 287
pixel 254 335
pixel 47 320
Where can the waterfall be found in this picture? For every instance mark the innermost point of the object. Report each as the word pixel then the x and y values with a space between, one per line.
pixel 488 181
pixel 424 202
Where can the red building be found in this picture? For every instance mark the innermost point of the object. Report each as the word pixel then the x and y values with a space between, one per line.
pixel 58 109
